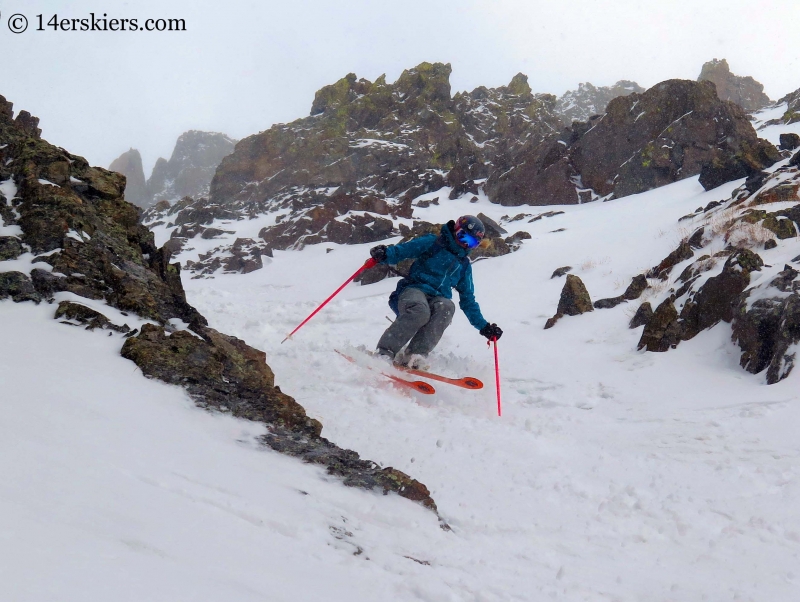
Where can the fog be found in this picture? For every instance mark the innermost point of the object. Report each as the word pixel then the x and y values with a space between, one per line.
pixel 244 65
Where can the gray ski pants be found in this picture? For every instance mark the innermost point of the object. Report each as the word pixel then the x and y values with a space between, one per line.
pixel 422 320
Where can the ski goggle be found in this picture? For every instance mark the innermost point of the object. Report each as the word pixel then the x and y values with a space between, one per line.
pixel 467 240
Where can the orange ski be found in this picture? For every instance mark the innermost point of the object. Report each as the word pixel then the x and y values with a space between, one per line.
pixel 467 382
pixel 417 385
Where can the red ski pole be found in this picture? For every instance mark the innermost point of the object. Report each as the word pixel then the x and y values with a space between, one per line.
pixel 367 264
pixel 497 377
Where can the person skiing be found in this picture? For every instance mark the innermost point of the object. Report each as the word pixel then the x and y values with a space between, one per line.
pixel 422 300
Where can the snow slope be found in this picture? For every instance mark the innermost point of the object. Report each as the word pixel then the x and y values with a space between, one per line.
pixel 612 475
pixel 117 487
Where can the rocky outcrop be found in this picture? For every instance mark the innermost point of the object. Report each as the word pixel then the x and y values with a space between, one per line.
pixel 540 173
pixel 761 303
pixel 666 134
pixel 704 307
pixel 498 121
pixel 191 167
pixel 643 141
pixel 766 326
pixel 589 100
pixel 220 371
pixel 129 164
pixel 89 242
pixel 372 147
pixel 792 114
pixel 661 332
pixel 716 300
pixel 348 173
pixel 744 91
pixel 574 300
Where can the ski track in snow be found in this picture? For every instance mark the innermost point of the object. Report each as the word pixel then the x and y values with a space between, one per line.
pixel 613 475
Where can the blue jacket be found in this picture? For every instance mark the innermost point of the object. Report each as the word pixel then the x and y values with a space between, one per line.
pixel 441 265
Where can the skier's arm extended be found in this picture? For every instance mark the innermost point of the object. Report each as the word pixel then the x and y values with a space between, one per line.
pixel 408 250
pixel 466 300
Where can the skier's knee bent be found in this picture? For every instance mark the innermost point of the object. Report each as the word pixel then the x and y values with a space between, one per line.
pixel 444 308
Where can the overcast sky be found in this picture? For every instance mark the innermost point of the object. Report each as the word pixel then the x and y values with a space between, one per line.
pixel 242 65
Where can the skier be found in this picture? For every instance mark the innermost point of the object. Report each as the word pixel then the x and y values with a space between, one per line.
pixel 422 300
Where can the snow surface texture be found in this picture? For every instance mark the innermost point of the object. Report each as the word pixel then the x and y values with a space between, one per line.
pixel 613 474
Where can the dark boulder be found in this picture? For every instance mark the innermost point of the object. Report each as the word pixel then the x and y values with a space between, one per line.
pixel 558 272
pixel 10 248
pixel 17 286
pixel 755 180
pixel 540 173
pixel 635 288
pixel 609 303
pixel 574 300
pixel 767 329
pixel 717 299
pixel 749 157
pixel 666 134
pixel 662 331
pixel 781 225
pixel 642 315
pixel 789 141
pixel 493 229
pixel 220 370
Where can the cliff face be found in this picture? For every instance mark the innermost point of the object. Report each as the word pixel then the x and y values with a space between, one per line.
pixel 744 91
pixel 129 164
pixel 375 146
pixel 188 172
pixel 670 132
pixel 190 168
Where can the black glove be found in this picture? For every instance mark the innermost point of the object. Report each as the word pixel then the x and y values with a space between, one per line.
pixel 378 253
pixel 491 331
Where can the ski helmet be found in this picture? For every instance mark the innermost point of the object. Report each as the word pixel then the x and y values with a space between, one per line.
pixel 469 231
